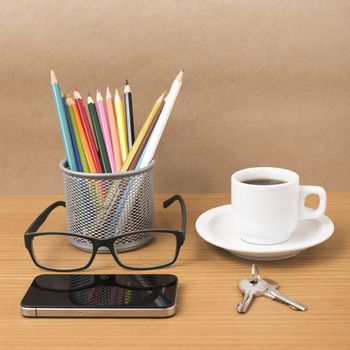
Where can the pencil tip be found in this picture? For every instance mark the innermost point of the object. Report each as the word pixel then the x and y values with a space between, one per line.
pixel 161 97
pixel 53 77
pixel 76 94
pixel 180 75
pixel 127 87
pixel 108 93
pixel 98 95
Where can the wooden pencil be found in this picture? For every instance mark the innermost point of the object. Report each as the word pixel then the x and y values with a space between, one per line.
pixel 146 136
pixel 80 147
pixel 88 132
pixel 67 142
pixel 113 130
pixel 120 117
pixel 157 132
pixel 129 115
pixel 93 133
pixel 105 129
pixel 72 136
pixel 98 134
pixel 84 140
pixel 142 135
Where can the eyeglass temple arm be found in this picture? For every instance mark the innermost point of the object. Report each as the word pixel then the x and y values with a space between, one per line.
pixel 171 200
pixel 43 216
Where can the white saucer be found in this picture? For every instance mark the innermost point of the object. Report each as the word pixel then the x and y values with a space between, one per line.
pixel 216 227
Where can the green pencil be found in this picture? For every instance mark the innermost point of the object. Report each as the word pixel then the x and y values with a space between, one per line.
pixel 99 138
pixel 81 152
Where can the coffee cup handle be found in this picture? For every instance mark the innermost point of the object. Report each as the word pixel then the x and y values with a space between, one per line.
pixel 305 213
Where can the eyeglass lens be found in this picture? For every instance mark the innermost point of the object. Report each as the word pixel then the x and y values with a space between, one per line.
pixel 56 251
pixel 158 251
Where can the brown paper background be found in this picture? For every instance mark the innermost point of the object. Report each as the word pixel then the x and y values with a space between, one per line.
pixel 266 83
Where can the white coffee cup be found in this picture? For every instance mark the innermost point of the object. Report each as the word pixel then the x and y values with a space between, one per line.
pixel 268 214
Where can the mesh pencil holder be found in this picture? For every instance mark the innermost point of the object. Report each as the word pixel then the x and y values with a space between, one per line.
pixel 108 205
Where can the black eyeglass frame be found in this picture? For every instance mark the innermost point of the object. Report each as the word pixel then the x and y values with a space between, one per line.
pixel 31 233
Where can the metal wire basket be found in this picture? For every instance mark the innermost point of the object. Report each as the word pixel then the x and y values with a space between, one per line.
pixel 108 205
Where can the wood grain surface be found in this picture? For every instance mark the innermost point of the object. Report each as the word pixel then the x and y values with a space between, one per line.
pixel 206 316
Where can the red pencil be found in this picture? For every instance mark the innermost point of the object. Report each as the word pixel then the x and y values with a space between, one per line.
pixel 87 129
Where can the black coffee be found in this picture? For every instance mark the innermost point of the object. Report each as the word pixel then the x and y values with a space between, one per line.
pixel 264 182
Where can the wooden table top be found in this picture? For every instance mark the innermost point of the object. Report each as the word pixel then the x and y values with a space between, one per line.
pixel 208 295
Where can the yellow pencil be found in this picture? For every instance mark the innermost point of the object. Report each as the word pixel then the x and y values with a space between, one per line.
pixel 120 116
pixel 143 132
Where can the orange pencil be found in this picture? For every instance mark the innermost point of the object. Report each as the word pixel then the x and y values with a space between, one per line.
pixel 82 134
pixel 113 130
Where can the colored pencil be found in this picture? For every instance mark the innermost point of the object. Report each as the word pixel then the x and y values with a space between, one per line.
pixel 99 137
pixel 129 115
pixel 114 130
pixel 72 137
pixel 67 142
pixel 105 129
pixel 100 144
pixel 123 198
pixel 74 123
pixel 87 129
pixel 157 132
pixel 123 138
pixel 84 140
pixel 143 135
pixel 93 133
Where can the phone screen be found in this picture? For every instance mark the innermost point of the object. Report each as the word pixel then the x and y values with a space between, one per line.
pixel 102 291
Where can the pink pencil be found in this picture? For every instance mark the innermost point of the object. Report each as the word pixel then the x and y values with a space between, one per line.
pixel 114 130
pixel 105 130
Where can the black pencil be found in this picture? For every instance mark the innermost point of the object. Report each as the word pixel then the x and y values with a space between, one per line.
pixel 129 116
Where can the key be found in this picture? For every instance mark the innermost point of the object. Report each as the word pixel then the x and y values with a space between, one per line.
pixel 255 273
pixel 250 289
pixel 272 293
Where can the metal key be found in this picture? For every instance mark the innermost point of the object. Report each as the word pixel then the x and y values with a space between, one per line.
pixel 255 273
pixel 272 293
pixel 250 288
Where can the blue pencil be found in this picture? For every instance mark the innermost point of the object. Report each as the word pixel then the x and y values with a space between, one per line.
pixel 67 142
pixel 72 137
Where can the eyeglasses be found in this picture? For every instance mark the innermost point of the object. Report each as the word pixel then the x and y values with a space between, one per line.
pixel 54 251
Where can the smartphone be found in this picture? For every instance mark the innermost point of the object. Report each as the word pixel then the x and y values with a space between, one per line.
pixel 124 295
